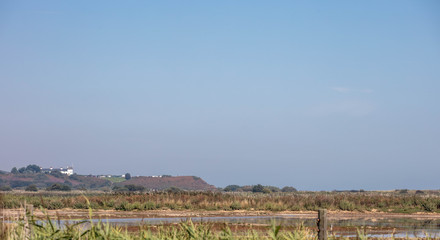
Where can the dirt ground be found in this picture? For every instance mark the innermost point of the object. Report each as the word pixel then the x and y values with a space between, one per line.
pixel 107 214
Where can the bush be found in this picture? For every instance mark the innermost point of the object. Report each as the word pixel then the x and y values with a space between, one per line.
pixel 58 187
pixel 125 206
pixel 266 190
pixel 32 188
pixel 135 188
pixel 273 189
pixel 346 206
pixel 403 191
pixel 120 189
pixel 246 188
pixel 5 188
pixel 430 205
pixel 258 188
pixel 235 206
pixel 150 206
pixel 33 168
pixel 288 189
pixel 174 190
pixel 231 188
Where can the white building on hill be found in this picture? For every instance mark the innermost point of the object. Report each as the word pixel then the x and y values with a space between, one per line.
pixel 68 171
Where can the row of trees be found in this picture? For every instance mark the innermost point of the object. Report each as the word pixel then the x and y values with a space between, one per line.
pixel 258 189
pixel 32 168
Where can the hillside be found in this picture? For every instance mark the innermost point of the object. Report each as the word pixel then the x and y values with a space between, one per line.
pixel 160 183
pixel 43 180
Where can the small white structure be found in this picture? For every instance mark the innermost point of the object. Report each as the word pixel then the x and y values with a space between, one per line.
pixel 68 171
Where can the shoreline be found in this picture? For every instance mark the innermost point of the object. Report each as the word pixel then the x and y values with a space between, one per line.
pixel 68 213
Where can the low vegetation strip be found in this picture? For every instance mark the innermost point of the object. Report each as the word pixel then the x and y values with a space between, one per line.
pixel 186 200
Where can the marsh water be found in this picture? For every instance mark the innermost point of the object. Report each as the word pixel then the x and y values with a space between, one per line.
pixel 374 227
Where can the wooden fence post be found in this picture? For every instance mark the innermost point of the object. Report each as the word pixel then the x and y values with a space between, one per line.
pixel 322 224
pixel 30 211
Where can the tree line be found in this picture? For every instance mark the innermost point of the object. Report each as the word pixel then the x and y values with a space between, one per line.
pixel 258 189
pixel 32 168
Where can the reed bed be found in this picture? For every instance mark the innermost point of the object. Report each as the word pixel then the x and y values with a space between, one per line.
pixel 368 201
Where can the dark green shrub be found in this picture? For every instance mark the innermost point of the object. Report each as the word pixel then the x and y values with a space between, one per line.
pixel 430 205
pixel 171 206
pixel 273 189
pixel 33 168
pixel 5 188
pixel 346 205
pixel 403 191
pixel 150 206
pixel 135 188
pixel 126 206
pixel 288 189
pixel 120 189
pixel 122 206
pixel 258 188
pixel 58 187
pixel 127 176
pixel 32 188
pixel 110 203
pixel 174 190
pixel 235 206
pixel 231 188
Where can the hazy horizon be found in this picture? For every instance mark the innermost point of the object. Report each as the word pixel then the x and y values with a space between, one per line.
pixel 318 96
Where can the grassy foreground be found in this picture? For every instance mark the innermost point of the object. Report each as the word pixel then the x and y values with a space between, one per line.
pixel 309 201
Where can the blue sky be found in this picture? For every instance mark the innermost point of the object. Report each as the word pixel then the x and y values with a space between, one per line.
pixel 315 95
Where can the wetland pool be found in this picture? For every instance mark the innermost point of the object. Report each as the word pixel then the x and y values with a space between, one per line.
pixel 347 227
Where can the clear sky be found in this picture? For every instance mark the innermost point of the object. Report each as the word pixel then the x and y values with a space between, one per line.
pixel 319 95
